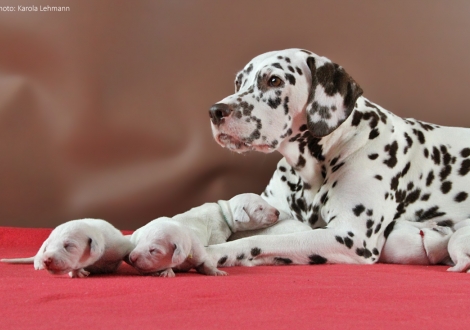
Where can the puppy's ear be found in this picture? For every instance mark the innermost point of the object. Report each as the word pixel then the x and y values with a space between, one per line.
pixel 240 214
pixel 96 247
pixel 332 96
pixel 182 251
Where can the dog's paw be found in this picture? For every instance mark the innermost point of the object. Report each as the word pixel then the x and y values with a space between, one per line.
pixel 166 273
pixel 80 273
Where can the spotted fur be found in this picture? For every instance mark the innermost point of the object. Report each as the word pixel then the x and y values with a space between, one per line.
pixel 351 169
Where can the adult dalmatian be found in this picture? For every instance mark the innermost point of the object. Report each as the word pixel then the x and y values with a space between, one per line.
pixel 351 168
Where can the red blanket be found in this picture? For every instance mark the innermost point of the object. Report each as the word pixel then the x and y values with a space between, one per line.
pixel 271 297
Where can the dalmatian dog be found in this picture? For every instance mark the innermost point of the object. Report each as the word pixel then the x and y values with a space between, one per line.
pixel 350 168
pixel 178 243
pixel 79 248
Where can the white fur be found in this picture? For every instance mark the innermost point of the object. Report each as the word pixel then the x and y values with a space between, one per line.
pixel 80 247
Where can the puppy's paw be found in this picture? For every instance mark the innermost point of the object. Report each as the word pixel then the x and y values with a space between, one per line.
pixel 167 273
pixel 80 273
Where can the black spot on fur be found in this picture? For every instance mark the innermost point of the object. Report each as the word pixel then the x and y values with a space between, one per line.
pixel 420 136
pixel 445 223
pixel 446 187
pixel 432 212
pixel 316 259
pixel 464 167
pixel 445 172
pixel 430 178
pixel 241 256
pixel 374 133
pixel 373 156
pixel 389 229
pixel 461 196
pixel 339 239
pixel 274 103
pixel 255 252
pixel 348 242
pixel 436 156
pixel 282 261
pixel 222 260
pixel 357 117
pixel 378 177
pixel 465 152
pixel 291 78
pixel 358 209
pixel 392 151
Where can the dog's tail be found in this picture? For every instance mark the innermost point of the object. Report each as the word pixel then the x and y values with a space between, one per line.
pixel 29 260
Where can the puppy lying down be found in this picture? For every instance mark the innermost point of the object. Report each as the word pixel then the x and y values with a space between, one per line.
pixel 177 243
pixel 80 247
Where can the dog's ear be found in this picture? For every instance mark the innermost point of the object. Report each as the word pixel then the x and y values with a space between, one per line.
pixel 96 247
pixel 240 214
pixel 332 96
pixel 181 252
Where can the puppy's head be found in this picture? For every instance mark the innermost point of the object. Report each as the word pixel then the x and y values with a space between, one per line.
pixel 250 211
pixel 160 244
pixel 71 246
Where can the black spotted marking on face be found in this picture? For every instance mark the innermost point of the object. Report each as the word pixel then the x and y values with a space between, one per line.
pixel 249 68
pixel 255 252
pixel 339 239
pixel 316 259
pixel 392 152
pixel 277 65
pixel 446 187
pixel 377 228
pixel 348 242
pixel 282 261
pixel 358 209
pixel 389 229
pixel 460 197
pixel 274 103
pixel 286 105
pixel 373 156
pixel 465 152
pixel 464 167
pixel 432 212
pixel 299 71
pixel 222 260
pixel 378 177
pixel 291 69
pixel 420 136
pixel 350 234
pixel 282 169
pixel 290 78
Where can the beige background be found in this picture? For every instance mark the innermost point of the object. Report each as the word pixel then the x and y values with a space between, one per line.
pixel 104 109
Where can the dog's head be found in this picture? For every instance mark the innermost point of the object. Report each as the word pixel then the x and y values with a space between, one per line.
pixel 71 246
pixel 250 211
pixel 279 93
pixel 159 245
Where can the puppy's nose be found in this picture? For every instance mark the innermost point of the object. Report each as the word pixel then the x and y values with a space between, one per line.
pixel 277 213
pixel 218 112
pixel 133 258
pixel 47 262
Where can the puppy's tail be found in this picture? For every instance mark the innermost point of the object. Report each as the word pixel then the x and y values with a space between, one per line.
pixel 29 260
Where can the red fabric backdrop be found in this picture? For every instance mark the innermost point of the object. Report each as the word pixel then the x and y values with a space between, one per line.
pixel 281 297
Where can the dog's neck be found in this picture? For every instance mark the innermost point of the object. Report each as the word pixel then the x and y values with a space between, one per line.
pixel 303 151
pixel 227 216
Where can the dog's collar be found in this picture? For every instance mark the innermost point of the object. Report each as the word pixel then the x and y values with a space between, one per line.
pixel 223 216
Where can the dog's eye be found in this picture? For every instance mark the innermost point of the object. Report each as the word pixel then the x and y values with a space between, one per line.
pixel 68 246
pixel 274 81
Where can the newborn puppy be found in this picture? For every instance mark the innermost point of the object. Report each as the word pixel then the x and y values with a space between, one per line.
pixel 80 247
pixel 164 244
pixel 213 223
pixel 417 243
pixel 459 247
pixel 179 242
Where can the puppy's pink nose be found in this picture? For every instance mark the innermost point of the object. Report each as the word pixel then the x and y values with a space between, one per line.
pixel 47 262
pixel 133 258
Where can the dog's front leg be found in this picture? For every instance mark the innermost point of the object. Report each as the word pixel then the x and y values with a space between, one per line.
pixel 319 246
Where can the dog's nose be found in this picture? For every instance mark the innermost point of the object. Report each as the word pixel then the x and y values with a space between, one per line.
pixel 47 262
pixel 218 112
pixel 277 213
pixel 133 258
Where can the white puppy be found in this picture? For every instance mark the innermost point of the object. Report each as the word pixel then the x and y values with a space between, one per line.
pixel 459 247
pixel 166 243
pixel 80 247
pixel 163 244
